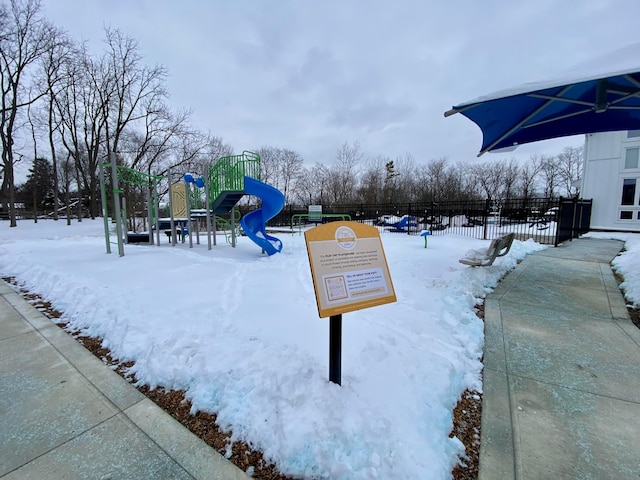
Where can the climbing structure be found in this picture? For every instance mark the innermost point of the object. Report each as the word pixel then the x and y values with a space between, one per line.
pixel 230 179
pixel 226 180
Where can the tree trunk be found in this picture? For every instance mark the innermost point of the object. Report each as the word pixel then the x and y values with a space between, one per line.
pixel 12 196
pixel 54 162
pixel 79 193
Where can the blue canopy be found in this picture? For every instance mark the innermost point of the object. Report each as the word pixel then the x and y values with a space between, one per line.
pixel 576 104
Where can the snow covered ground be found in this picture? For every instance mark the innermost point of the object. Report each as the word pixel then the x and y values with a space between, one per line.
pixel 240 333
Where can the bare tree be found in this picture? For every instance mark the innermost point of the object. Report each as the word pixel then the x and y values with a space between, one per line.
pixel 436 176
pixel 80 104
pixel 510 172
pixel 130 86
pixel 343 176
pixel 291 165
pixel 192 151
pixel 527 177
pixel 70 117
pixel 550 173
pixel 65 177
pixel 488 176
pixel 372 181
pixel 405 183
pixel 283 169
pixel 130 91
pixel 269 165
pixel 318 184
pixel 53 71
pixel 469 189
pixel 25 37
pixel 158 138
pixel 570 170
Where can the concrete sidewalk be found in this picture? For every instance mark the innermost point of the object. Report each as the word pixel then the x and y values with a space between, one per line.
pixel 64 414
pixel 562 370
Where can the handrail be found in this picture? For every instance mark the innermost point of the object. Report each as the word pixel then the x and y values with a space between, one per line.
pixel 228 173
pixel 225 225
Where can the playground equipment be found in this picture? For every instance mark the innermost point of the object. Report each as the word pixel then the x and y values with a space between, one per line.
pixel 234 176
pixel 254 223
pixel 224 184
pixel 406 222
pixel 120 173
pixel 297 219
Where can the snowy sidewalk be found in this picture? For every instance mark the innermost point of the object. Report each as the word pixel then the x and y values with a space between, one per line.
pixel 562 370
pixel 66 415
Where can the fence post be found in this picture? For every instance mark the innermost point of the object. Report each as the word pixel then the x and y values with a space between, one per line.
pixel 558 222
pixel 485 218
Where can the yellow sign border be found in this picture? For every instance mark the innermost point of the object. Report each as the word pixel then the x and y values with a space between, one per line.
pixel 347 250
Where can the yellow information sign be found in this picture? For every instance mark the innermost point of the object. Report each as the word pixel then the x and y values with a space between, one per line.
pixel 348 267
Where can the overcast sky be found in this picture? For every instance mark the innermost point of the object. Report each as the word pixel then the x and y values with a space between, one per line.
pixel 310 75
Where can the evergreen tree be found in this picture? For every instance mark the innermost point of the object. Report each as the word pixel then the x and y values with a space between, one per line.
pixel 389 182
pixel 39 187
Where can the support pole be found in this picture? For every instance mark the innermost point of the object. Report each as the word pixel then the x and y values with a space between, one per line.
pixel 105 210
pixel 187 189
pixel 233 227
pixel 207 206
pixel 335 349
pixel 116 203
pixel 172 221
pixel 157 204
pixel 215 232
pixel 125 230
pixel 149 213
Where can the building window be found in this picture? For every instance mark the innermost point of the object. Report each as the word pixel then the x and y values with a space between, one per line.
pixel 631 158
pixel 633 133
pixel 628 191
pixel 626 215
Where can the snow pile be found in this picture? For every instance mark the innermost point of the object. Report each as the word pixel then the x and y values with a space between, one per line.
pixel 239 331
pixel 627 264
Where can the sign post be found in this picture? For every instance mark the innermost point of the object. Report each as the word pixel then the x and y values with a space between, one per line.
pixel 335 349
pixel 349 272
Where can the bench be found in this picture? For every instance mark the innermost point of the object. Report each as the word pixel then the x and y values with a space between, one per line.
pixel 498 247
pixel 180 226
pixel 138 238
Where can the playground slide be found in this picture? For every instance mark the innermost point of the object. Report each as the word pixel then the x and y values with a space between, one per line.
pixel 254 223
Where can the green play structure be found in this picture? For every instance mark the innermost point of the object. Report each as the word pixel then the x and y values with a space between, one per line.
pixel 120 173
pixel 226 180
pixel 216 192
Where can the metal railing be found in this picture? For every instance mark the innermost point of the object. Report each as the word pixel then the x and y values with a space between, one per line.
pixel 227 175
pixel 535 218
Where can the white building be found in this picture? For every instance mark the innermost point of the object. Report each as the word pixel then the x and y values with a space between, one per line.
pixel 611 177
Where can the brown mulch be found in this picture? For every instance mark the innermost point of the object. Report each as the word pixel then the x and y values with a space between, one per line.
pixel 634 313
pixel 466 414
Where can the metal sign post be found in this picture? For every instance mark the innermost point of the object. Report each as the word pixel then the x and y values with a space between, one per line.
pixel 349 272
pixel 335 349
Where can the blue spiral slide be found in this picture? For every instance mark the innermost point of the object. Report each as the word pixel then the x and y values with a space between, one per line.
pixel 254 223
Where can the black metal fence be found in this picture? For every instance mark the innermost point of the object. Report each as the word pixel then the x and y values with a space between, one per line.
pixel 573 218
pixel 536 218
